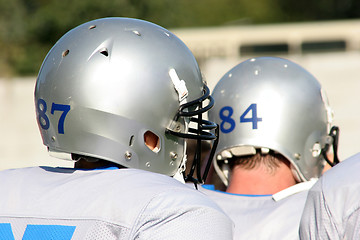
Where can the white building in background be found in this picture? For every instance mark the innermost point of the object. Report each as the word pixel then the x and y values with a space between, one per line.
pixel 329 50
pixel 284 39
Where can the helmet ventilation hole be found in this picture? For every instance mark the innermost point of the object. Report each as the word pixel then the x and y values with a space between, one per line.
pixel 104 52
pixel 131 142
pixel 65 53
pixel 92 27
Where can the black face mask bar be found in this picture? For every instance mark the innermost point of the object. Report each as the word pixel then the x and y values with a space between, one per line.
pixel 334 141
pixel 201 133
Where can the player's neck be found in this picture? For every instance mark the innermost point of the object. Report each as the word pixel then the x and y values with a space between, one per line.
pixel 258 181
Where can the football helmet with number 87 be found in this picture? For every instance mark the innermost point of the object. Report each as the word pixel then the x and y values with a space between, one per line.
pixel 109 83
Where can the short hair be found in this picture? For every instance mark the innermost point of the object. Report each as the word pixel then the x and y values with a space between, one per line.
pixel 270 160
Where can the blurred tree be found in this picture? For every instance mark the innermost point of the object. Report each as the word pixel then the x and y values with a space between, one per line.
pixel 28 28
pixel 308 10
pixel 12 34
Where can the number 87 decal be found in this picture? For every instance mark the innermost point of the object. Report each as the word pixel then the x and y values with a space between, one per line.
pixel 44 119
pixel 226 113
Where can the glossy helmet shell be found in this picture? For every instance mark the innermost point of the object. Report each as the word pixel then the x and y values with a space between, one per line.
pixel 105 83
pixel 273 103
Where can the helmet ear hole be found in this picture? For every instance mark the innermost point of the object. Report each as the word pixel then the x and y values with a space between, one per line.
pixel 152 141
pixel 104 52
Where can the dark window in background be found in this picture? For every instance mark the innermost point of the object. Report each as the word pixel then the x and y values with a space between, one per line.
pixel 264 49
pixel 283 48
pixel 323 46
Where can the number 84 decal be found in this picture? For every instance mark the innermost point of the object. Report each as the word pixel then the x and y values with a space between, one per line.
pixel 44 119
pixel 227 124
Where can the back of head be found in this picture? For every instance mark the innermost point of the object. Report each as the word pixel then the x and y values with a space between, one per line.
pixel 270 103
pixel 108 83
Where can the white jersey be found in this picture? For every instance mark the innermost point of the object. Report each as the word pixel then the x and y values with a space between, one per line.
pixel 332 210
pixel 58 203
pixel 264 216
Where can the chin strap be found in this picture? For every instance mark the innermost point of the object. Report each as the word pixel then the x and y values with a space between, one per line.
pixel 223 172
pixel 179 176
pixel 333 140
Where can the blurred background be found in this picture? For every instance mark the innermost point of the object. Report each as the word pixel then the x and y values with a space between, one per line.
pixel 323 36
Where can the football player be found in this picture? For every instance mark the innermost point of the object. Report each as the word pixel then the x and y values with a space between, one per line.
pixel 332 207
pixel 116 96
pixel 274 122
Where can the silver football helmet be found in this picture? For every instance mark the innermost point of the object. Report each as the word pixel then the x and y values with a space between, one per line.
pixel 270 103
pixel 107 83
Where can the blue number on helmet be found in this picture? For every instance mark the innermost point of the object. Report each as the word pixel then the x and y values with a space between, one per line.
pixel 44 119
pixel 227 124
pixel 64 109
pixel 226 119
pixel 254 118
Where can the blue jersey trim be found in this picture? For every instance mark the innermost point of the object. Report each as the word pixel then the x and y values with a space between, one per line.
pixel 106 168
pixel 99 168
pixel 209 187
pixel 247 195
